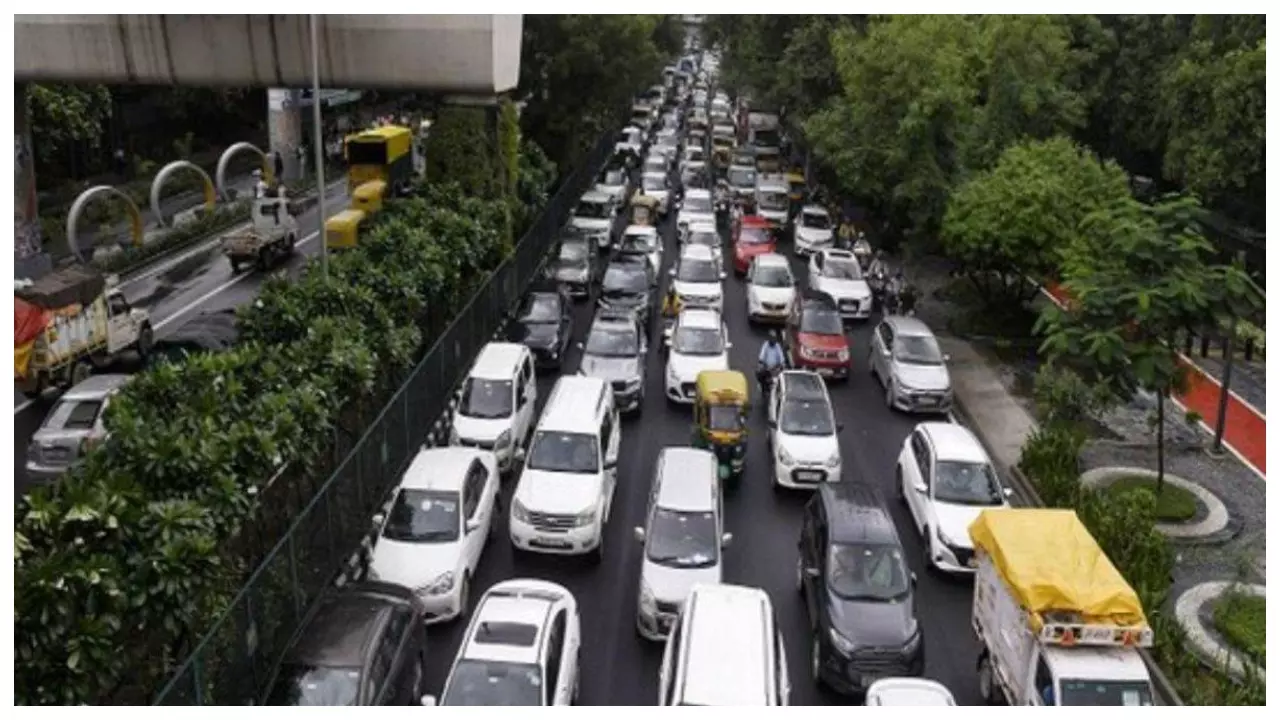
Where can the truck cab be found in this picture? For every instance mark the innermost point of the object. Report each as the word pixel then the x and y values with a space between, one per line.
pixel 271 236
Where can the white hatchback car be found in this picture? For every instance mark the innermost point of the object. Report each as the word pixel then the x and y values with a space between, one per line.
pixel 706 235
pixel 698 278
pixel 908 692
pixel 803 435
pixel 643 240
pixel 946 480
pixel 838 274
pixel 771 289
pixel 698 341
pixel 521 648
pixel 814 230
pixel 440 519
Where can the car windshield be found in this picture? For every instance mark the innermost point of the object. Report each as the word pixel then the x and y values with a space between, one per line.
pixel 638 244
pixel 564 452
pixel 592 210
pixel 842 268
pixel 682 539
pixel 573 253
pixel 1083 693
pixel 74 415
pixel 486 398
pixel 806 417
pixel 706 239
pixel 770 200
pixel 613 178
pixel 423 516
pixel 817 221
pixel 724 418
pixel 655 183
pixel 774 276
pixel 612 341
pixel 767 138
pixel 966 483
pixel 493 683
pixel 754 236
pixel 698 341
pixel 697 270
pixel 694 154
pixel 868 572
pixel 619 279
pixel 540 308
pixel 917 350
pixel 697 204
pixel 821 322
pixel 305 685
pixel 742 177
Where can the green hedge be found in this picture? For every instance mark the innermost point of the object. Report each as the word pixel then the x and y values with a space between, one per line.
pixel 1124 527
pixel 121 565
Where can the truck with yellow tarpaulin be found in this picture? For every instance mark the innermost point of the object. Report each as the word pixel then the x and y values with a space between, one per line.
pixel 382 153
pixel 1057 623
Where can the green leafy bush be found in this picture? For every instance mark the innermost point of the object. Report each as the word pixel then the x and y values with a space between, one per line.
pixel 1063 397
pixel 1051 460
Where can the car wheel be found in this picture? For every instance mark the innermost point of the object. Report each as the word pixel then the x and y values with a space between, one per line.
pixel 464 596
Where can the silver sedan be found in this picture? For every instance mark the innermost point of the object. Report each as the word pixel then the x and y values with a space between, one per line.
pixel 905 357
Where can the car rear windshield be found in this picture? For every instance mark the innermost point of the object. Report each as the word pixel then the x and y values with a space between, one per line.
pixel 540 308
pixel 1079 693
pixel 74 415
pixel 654 183
pixel 698 341
pixel 742 177
pixel 754 236
pixel 304 685
pixel 697 270
pixel 612 341
pixel 423 516
pixel 697 204
pixel 625 279
pixel 817 221
pixel 917 350
pixel 842 268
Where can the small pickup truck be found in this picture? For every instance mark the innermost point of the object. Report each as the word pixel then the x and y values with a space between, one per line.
pixel 269 238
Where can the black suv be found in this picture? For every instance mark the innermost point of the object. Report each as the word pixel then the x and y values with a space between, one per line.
pixel 615 352
pixel 363 645
pixel 628 285
pixel 858 592
pixel 544 323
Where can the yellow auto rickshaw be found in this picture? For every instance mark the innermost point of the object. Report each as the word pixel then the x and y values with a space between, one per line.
pixel 720 412
pixel 342 230
pixel 644 209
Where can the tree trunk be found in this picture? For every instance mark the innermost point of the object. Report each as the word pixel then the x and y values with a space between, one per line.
pixel 1159 443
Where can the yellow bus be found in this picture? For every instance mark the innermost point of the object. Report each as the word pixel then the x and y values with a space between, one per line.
pixel 384 153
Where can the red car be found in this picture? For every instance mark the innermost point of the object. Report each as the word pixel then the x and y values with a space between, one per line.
pixel 815 337
pixel 751 237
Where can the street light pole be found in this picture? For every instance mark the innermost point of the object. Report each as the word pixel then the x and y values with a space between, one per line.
pixel 318 142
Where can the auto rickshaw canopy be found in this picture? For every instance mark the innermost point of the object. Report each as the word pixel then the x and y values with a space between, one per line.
pixel 644 209
pixel 728 387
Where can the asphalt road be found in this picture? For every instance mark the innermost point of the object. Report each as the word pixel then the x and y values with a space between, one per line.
pixel 619 668
pixel 174 291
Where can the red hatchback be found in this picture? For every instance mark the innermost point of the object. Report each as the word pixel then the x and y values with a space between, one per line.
pixel 816 338
pixel 751 237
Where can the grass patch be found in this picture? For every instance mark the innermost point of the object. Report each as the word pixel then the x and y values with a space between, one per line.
pixel 1242 620
pixel 1173 504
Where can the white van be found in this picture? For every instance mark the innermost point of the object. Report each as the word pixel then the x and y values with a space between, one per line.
pixel 496 407
pixel 565 491
pixel 683 537
pixel 726 650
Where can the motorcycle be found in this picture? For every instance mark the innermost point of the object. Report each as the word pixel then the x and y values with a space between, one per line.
pixel 877 280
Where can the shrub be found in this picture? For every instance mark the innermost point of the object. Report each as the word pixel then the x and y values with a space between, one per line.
pixel 1051 460
pixel 1062 396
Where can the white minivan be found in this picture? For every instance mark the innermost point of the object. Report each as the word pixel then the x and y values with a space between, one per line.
pixel 725 651
pixel 496 407
pixel 683 537
pixel 565 491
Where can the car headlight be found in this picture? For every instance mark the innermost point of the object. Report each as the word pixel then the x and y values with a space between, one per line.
pixel 503 440
pixel 807 353
pixel 647 600
pixel 438 586
pixel 843 356
pixel 834 460
pixel 948 540
pixel 842 644
pixel 519 511
pixel 913 644
pixel 785 457
pixel 584 518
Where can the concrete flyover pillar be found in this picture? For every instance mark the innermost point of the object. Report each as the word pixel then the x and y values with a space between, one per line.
pixel 30 260
pixel 285 131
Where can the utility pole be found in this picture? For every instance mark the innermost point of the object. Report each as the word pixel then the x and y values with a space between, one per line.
pixel 1228 361
pixel 319 143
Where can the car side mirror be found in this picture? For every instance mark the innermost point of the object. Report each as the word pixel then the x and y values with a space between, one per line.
pixel 913 579
pixel 639 533
pixel 946 357
pixel 773 423
pixel 378 519
pixel 1008 492
pixel 728 345
pixel 519 455
pixel 921 488
pixel 428 701
pixel 473 525
pixel 724 276
pixel 671 272
pixel 611 464
pixel 580 345
pixel 813 572
pixel 726 539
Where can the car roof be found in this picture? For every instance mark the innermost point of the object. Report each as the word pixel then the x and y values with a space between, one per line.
pixel 697 192
pixel 815 209
pixel 696 252
pixel 640 230
pixel 595 196
pixel 804 385
pixel 439 468
pixel 908 326
pixel 676 465
pixel 507 604
pixel 904 691
pixel 615 316
pixel 773 259
pixel 702 226
pixel 954 442
pixel 345 622
pixel 497 361
pixel 724 655
pixel 96 387
pixel 857 514
pixel 574 400
pixel 838 254
pixel 700 317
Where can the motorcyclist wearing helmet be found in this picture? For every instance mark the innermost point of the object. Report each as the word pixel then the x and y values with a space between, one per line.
pixel 879 265
pixel 671 303
pixel 771 361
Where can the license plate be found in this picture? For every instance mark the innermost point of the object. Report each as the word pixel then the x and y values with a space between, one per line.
pixel 928 401
pixel 809 475
pixel 549 543
pixel 826 372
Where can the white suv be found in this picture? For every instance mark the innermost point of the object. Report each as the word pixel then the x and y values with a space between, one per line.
pixel 521 648
pixel 496 406
pixel 946 480
pixel 803 440
pixel 437 528
pixel 838 274
pixel 698 277
pixel 683 536
pixel 565 491
pixel 698 341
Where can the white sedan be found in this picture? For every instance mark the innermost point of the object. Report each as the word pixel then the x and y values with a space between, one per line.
pixel 698 341
pixel 771 289
pixel 838 274
pixel 656 185
pixel 946 480
pixel 643 240
pixel 431 539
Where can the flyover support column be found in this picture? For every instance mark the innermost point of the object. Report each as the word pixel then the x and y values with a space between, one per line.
pixel 284 127
pixel 29 258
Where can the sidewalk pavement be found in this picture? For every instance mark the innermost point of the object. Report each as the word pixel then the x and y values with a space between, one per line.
pixel 1003 424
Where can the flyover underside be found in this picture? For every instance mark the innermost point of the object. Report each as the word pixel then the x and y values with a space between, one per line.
pixel 461 54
